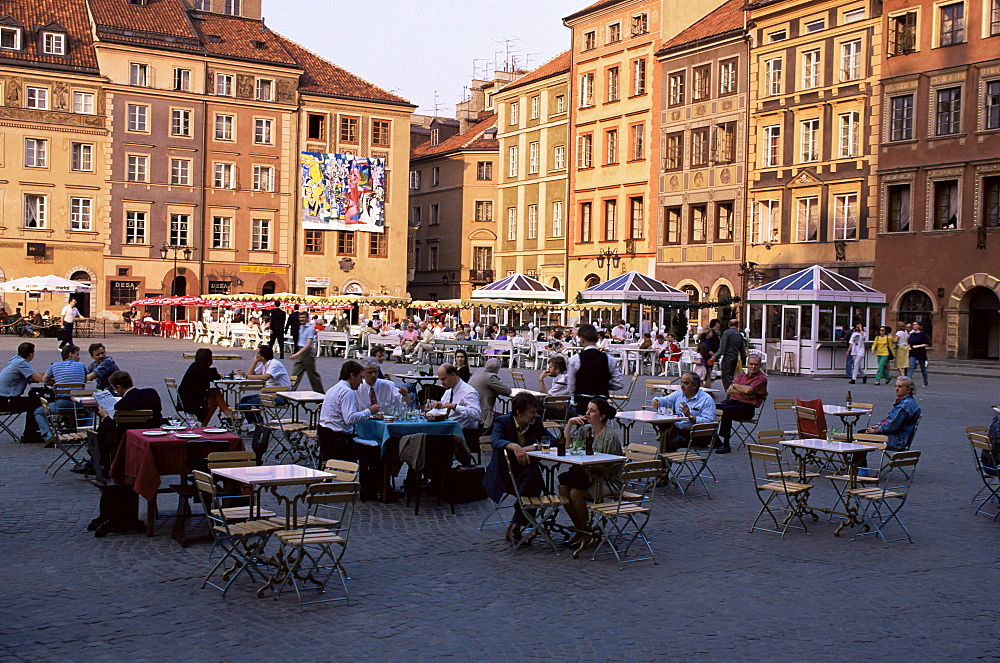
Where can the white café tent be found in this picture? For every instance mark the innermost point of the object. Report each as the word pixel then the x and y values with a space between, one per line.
pixel 50 283
pixel 630 287
pixel 518 288
pixel 805 314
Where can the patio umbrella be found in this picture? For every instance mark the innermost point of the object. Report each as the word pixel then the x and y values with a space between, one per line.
pixel 50 283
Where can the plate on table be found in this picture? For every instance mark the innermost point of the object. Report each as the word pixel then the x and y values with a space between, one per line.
pixel 154 433
pixel 173 427
pixel 188 436
pixel 215 431
pixel 388 418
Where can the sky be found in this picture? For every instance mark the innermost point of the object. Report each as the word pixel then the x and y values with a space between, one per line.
pixel 416 47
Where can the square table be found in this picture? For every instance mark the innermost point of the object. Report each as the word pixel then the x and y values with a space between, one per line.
pixel 303 399
pixel 849 415
pixel 659 421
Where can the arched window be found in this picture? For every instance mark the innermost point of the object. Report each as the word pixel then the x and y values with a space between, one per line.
pixel 725 312
pixel 555 284
pixel 592 280
pixel 268 288
pixel 916 306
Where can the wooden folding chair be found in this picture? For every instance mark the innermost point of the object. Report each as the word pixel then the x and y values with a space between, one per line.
pixel 685 466
pixel 988 468
pixel 175 399
pixel 790 495
pixel 620 401
pixel 506 503
pixel 882 503
pixel 540 512
pixel 773 438
pixel 517 377
pixel 781 407
pixel 69 441
pixel 622 522
pixel 744 429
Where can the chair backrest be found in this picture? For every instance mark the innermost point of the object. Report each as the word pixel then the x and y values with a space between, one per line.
pixel 761 456
pixel 770 437
pixel 220 459
pixel 342 470
pixel 906 463
pixel 555 407
pixel 485 443
pixel 976 429
pixel 631 385
pixel 518 378
pixel 338 492
pixel 781 405
pixel 271 390
pixel 639 476
pixel 808 422
pixel 703 435
pixel 133 416
pixel 294 379
pixel 63 388
pixel 637 451
pixel 982 449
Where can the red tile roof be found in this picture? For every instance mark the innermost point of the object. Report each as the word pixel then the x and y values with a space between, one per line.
pixel 236 38
pixel 471 139
pixel 71 15
pixel 162 23
pixel 726 18
pixel 560 64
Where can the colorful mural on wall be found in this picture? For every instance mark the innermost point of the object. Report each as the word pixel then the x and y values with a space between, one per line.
pixel 342 192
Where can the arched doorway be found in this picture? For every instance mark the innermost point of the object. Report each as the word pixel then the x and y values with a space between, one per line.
pixel 268 288
pixel 82 298
pixel 916 306
pixel 984 324
pixel 178 288
pixel 725 312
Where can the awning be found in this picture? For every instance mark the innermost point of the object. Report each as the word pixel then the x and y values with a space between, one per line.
pixel 816 285
pixel 50 283
pixel 629 287
pixel 518 287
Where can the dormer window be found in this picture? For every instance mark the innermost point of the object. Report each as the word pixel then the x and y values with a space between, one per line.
pixel 138 3
pixel 203 5
pixel 10 38
pixel 53 43
pixel 435 136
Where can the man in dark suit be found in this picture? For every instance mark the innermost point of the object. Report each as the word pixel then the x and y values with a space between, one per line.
pixel 515 434
pixel 292 326
pixel 276 323
pixel 109 433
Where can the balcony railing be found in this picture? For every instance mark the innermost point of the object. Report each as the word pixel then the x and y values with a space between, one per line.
pixel 481 275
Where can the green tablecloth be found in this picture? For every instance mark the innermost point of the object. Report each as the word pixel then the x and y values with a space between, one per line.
pixel 380 430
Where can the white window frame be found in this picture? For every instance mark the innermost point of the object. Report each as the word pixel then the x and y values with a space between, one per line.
pixel 611 146
pixel 771 147
pixel 536 106
pixel 849 134
pixel 512 159
pixel 81 157
pixel 179 229
pixel 511 224
pixel 84 103
pixel 585 151
pixel 36 153
pixel 53 43
pixel 772 77
pixel 265 89
pixel 850 60
pixel 845 211
pixel 225 127
pixel 587 90
pixel 557 219
pixel 811 69
pixel 414 179
pixel 727 77
pixel 638 142
pixel 809 140
pixel 560 103
pixel 513 112
pixel 263 131
pixel 17 41
pixel 223 175
pixel 765 222
pixel 41 209
pixel 614 76
pixel 182 79
pixel 137 118
pixel 675 88
pixel 639 77
pixel 81 214
pixel 140 74
pixel 559 157
pixel 484 211
pixel 224 85
pixel 532 221
pixel 36 98
pixel 263 178
pixel 222 232
pixel 136 227
pixel 533 154
pixel 180 122
pixel 180 172
pixel 806 219
pixel 137 168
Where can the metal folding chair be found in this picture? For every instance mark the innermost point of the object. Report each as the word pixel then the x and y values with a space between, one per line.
pixel 743 429
pixel 8 419
pixel 685 466
pixel 620 401
pixel 622 522
pixel 175 398
pixel 505 507
pixel 783 406
pixel 773 438
pixel 70 442
pixel 988 467
pixel 294 440
pixel 782 495
pixel 882 503
pixel 540 511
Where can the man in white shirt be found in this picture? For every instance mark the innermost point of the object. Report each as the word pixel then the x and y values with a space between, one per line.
pixel 426 342
pixel 376 391
pixel 305 356
pixel 856 353
pixel 690 402
pixel 462 402
pixel 265 368
pixel 337 418
pixel 619 332
pixel 70 314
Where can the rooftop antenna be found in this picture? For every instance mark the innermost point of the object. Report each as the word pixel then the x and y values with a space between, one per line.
pixel 527 60
pixel 507 44
pixel 483 67
pixel 436 105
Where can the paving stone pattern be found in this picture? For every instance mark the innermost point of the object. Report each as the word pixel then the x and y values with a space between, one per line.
pixel 431 586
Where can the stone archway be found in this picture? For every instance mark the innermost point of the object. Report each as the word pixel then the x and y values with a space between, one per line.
pixel 968 310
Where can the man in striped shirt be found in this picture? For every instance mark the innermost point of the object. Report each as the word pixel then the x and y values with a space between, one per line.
pixel 70 369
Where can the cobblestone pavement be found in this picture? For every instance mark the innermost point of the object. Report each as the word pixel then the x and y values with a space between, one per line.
pixel 431 586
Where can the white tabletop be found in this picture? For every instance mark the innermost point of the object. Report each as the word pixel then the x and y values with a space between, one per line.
pixel 840 410
pixel 413 376
pixel 826 445
pixel 675 387
pixel 648 417
pixel 593 459
pixel 518 390
pixel 301 396
pixel 273 475
pixel 236 380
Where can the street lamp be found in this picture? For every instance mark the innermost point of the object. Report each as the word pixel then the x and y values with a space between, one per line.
pixel 187 251
pixel 608 256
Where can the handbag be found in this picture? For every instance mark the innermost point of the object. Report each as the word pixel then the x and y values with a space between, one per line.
pixel 464 484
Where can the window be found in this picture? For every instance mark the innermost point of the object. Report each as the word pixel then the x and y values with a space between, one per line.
pixel 182 80
pixel 265 89
pixel 433 258
pixel 557 219
pixel 949 111
pixel 314 241
pixel 82 157
pixel 675 92
pixel 772 146
pixel 224 127
pixel 614 33
pixel 232 7
pixel 777 35
pixel 180 229
pixel 724 222
pixel 415 214
pixel 903 33
pixel 639 76
pixel 135 227
pixel 638 142
pixel 772 77
pixel 10 38
pixel 952 24
pixel 589 40
pixel 702 87
pixel 482 258
pixel 511 224
pixel 138 74
pixel 640 24
pixel 533 157
pixel 380 132
pixel 992 117
pixel 610 220
pixel 414 179
pixel 435 136
pixel 224 176
pixel 810 69
pixel 672 225
pixel 180 172
pixel 850 60
pixel 674 158
pixel 484 171
pixel 945 205
pixel 585 151
pixel 699 148
pixel 532 221
pixel 81 214
pixel 36 98
pixel 138 118
pixel 512 157
pixel 378 245
pixel 484 211
pixel 349 130
pixel 222 232
pixel 180 122
pixel 727 77
pixel 809 141
pixel 53 43
pixel 137 168
pixel 806 219
pixel 611 146
pixel 586 90
pixel 765 222
pixel 535 107
pixel 994 17
pixel 35 211
pixel 435 219
pixel 724 145
pixel 316 129
pixel 849 134
pixel 845 216
pixel 83 102
pixel 586 221
pixel 435 176
pixel 260 235
pixel 36 152
pixel 697 227
pixel 636 213
pixel 991 202
pixel 898 208
pixel 815 26
pixel 559 157
pixel 854 16
pixel 263 178
pixel 122 293
pixel 901 117
pixel 224 85
pixel 613 84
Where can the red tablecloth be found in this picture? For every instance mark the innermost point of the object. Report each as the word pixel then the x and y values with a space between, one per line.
pixel 144 459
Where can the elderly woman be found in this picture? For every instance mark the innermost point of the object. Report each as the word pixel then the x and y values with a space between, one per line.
pixel 196 393
pixel 576 484
pixel 901 424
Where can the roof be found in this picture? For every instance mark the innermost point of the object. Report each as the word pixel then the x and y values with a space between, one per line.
pixel 813 284
pixel 235 37
pixel 517 286
pixel 471 139
pixel 600 4
pixel 560 64
pixel 629 287
pixel 70 15
pixel 726 18
pixel 163 23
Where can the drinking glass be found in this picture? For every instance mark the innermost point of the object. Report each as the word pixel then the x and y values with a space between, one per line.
pixel 545 444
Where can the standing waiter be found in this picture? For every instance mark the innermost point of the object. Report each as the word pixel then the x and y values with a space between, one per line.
pixel 276 323
pixel 591 373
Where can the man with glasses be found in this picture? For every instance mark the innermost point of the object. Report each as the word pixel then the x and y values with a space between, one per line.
pixel 745 395
pixel 690 402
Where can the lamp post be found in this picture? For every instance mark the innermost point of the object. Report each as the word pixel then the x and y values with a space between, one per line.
pixel 187 251
pixel 608 256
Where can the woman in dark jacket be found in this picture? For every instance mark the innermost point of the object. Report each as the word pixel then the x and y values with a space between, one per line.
pixel 196 393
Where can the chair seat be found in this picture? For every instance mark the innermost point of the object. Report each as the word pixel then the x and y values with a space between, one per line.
pixel 310 536
pixel 875 493
pixel 787 487
pixel 680 456
pixel 248 528
pixel 611 508
pixel 306 521
pixel 542 500
pixel 791 474
pixel 241 513
pixel 844 477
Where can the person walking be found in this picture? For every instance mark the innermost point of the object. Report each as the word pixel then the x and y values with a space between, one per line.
pixel 305 357
pixel 732 349
pixel 919 343
pixel 856 352
pixel 903 348
pixel 292 327
pixel 883 346
pixel 276 323
pixel 70 314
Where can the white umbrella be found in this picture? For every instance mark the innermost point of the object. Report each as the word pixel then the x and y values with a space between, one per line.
pixel 50 283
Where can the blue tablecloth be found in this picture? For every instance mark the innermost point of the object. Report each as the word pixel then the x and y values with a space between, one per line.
pixel 381 431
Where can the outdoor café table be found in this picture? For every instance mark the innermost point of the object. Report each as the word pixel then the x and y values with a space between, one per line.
pixel 273 478
pixel 414 377
pixel 809 450
pixel 232 386
pixel 629 418
pixel 660 386
pixel 216 355
pixel 849 415
pixel 304 399
pixel 143 459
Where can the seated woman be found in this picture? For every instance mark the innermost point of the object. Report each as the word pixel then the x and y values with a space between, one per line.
pixel 576 484
pixel 197 395
pixel 462 364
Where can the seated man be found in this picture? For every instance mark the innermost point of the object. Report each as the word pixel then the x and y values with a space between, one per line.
pixel 379 391
pixel 688 401
pixel 109 432
pixel 462 402
pixel 901 424
pixel 337 417
pixel 487 384
pixel 517 433
pixel 68 370
pixel 265 369
pixel 14 377
pixel 101 366
pixel 746 393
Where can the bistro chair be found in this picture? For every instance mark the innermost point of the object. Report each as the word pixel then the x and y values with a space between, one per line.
pixel 503 508
pixel 620 401
pixel 685 466
pixel 540 512
pixel 70 442
pixel 517 377
pixel 867 475
pixel 810 422
pixel 882 503
pixel 782 495
pixel 555 408
pixel 295 441
pixel 988 467
pixel 773 438
pixel 782 406
pixel 622 522
pixel 7 420
pixel 344 471
pixel 744 429
pixel 175 398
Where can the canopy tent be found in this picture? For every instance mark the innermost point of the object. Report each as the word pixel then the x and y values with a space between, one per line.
pixel 629 287
pixel 519 287
pixel 50 283
pixel 816 284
